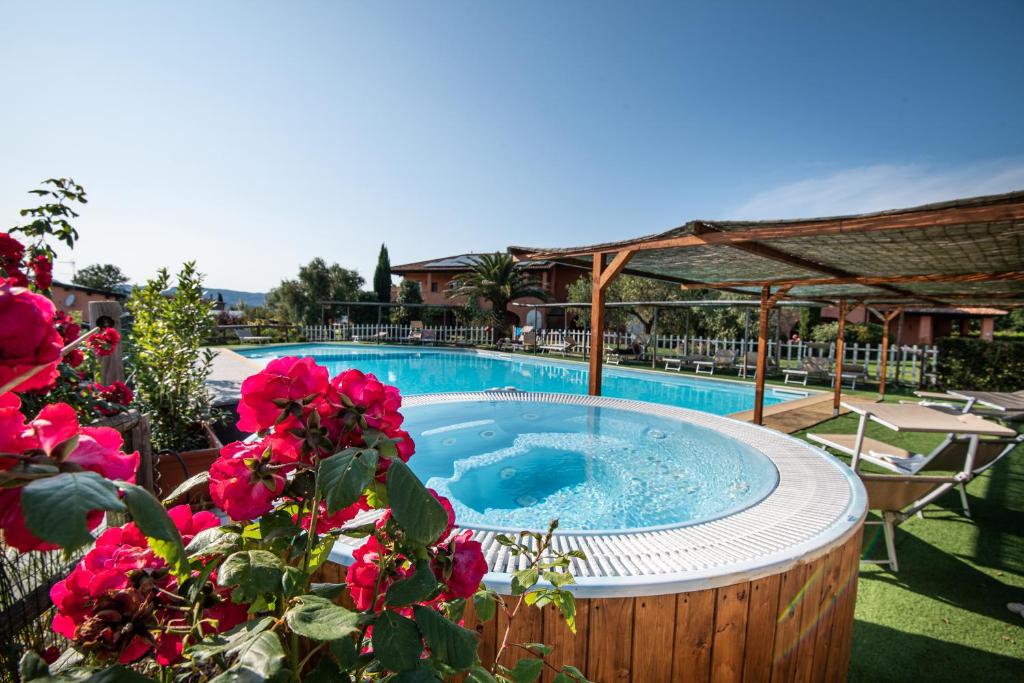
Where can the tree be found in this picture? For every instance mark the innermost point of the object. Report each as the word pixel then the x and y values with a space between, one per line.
pixel 498 279
pixel 298 301
pixel 630 288
pixel 101 276
pixel 408 293
pixel 382 275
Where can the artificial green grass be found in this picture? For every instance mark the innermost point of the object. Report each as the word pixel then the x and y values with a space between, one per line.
pixel 943 616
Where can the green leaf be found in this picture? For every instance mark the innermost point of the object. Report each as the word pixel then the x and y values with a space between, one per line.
pixel 396 642
pixel 479 674
pixel 558 579
pixel 153 521
pixel 344 650
pixel 326 671
pixel 254 572
pixel 524 579
pixel 527 670
pixel 345 475
pixel 32 666
pixel 55 507
pixel 566 603
pixel 187 485
pixel 449 642
pixel 261 659
pixel 327 590
pixel 272 526
pixel 572 674
pixel 416 676
pixel 421 586
pixel 412 506
pixel 294 581
pixel 539 649
pixel 215 541
pixel 115 674
pixel 320 619
pixel 232 641
pixel 485 603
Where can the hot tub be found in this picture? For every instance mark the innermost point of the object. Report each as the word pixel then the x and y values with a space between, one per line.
pixel 716 550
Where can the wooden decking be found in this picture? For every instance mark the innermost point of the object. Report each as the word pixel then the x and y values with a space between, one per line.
pixel 792 416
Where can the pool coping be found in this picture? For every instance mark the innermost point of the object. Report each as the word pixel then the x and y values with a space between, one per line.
pixel 791 525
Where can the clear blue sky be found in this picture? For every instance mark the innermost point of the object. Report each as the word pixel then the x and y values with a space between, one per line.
pixel 254 136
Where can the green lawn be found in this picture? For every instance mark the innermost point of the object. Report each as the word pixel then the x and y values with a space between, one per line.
pixel 943 616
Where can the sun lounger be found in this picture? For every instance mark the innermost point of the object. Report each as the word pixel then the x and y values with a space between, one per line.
pixel 525 340
pixel 851 373
pixel 636 350
pixel 428 337
pixel 749 364
pixel 812 366
pixel 948 456
pixel 562 346
pixel 415 332
pixel 246 336
pixel 1007 406
pixel 722 360
pixel 897 499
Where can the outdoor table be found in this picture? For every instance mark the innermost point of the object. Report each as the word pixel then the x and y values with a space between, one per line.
pixel 913 417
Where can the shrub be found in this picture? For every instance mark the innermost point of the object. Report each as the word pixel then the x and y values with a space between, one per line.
pixel 856 333
pixel 170 366
pixel 975 364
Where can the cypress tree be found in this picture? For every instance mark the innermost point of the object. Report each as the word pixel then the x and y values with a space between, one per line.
pixel 382 275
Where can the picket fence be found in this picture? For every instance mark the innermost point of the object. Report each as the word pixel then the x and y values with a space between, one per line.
pixel 915 365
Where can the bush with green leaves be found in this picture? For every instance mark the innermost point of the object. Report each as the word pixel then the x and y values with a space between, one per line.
pixel 169 365
pixel 966 363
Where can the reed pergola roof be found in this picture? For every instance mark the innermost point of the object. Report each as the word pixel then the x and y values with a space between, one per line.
pixel 967 251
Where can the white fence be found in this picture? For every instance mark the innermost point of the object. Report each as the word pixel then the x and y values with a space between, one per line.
pixel 469 336
pixel 913 365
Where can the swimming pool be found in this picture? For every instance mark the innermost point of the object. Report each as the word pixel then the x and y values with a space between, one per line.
pixel 417 370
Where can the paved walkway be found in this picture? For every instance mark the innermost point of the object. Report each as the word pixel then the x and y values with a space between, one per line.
pixel 227 373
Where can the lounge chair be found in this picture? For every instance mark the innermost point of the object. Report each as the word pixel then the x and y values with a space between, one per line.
pixel 897 499
pixel 1007 406
pixel 246 336
pixel 682 358
pixel 524 340
pixel 415 332
pixel 562 346
pixel 636 350
pixel 749 364
pixel 428 337
pixel 851 373
pixel 811 366
pixel 723 359
pixel 948 456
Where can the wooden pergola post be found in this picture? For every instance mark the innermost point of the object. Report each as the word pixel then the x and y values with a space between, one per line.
pixel 883 370
pixel 837 386
pixel 762 355
pixel 602 276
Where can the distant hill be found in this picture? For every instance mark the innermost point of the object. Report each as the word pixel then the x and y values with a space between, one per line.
pixel 232 296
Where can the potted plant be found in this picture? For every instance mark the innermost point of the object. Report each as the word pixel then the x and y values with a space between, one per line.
pixel 170 368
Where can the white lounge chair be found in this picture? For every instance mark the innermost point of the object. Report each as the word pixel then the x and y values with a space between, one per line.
pixel 852 374
pixel 637 350
pixel 562 346
pixel 749 364
pixel 415 332
pixel 246 336
pixel 811 366
pixel 722 360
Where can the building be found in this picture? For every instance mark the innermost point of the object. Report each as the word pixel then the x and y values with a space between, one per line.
pixel 923 325
pixel 74 299
pixel 435 278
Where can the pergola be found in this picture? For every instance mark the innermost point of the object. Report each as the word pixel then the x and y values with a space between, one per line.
pixel 961 252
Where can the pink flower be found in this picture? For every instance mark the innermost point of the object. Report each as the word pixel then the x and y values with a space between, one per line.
pixel 266 394
pixel 191 523
pixel 13 437
pixel 378 403
pixel 15 529
pixel 117 393
pixel 362 575
pixel 42 270
pixel 68 328
pixel 74 357
pixel 11 252
pixel 104 342
pixel 466 567
pixel 28 337
pixel 240 484
pixel 326 522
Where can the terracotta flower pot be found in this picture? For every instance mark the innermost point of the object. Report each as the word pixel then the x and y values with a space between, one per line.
pixel 174 468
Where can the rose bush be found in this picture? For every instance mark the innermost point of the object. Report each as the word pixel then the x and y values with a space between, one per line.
pixel 177 594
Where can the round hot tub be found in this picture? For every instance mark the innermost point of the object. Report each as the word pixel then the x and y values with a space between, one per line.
pixel 716 550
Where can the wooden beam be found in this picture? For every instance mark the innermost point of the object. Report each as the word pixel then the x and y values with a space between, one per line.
pixel 887 317
pixel 615 267
pixel 837 388
pixel 762 356
pixel 597 296
pixel 868 280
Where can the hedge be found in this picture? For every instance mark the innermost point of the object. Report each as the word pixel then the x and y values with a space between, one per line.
pixel 966 363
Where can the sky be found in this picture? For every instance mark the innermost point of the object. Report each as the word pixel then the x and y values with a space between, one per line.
pixel 255 136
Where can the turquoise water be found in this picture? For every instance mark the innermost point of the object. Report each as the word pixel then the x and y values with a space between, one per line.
pixel 518 464
pixel 427 371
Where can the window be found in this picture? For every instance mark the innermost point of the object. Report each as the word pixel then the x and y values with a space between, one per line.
pixel 433 286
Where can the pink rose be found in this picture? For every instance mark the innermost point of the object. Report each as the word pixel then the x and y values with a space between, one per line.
pixel 362 574
pixel 104 342
pixel 466 569
pixel 266 394
pixel 326 522
pixel 28 337
pixel 117 394
pixel 42 270
pixel 240 485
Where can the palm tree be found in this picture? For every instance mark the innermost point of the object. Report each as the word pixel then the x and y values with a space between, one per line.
pixel 498 279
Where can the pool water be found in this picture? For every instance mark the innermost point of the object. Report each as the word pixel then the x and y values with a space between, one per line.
pixel 514 465
pixel 428 371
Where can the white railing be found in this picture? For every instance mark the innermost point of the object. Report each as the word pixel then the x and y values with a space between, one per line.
pixel 383 333
pixel 913 365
